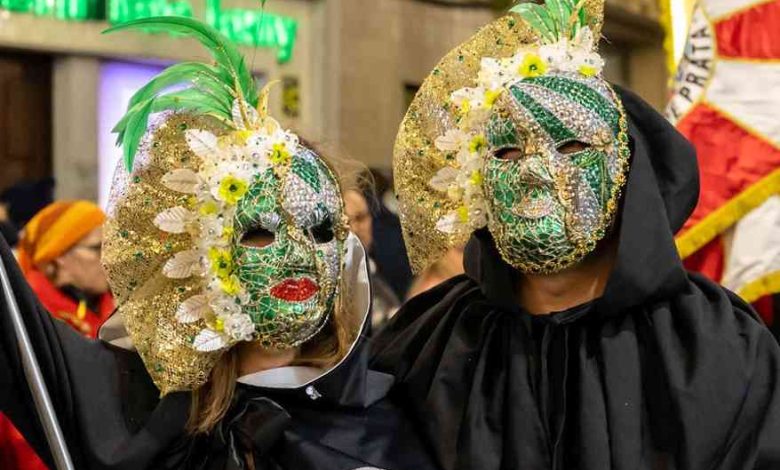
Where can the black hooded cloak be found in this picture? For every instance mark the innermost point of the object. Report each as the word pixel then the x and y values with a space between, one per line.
pixel 112 418
pixel 666 370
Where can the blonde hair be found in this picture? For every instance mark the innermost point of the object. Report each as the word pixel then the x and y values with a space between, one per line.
pixel 211 402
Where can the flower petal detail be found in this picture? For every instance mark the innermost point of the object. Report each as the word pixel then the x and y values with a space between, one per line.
pixel 452 140
pixel 442 180
pixel 209 341
pixel 449 224
pixel 173 220
pixel 193 309
pixel 240 327
pixel 183 265
pixel 203 143
pixel 182 181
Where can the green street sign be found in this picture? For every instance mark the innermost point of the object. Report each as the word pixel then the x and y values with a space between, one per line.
pixel 247 27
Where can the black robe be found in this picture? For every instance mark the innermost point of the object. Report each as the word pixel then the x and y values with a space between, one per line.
pixel 112 418
pixel 666 370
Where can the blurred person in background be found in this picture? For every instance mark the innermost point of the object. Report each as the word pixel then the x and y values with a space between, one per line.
pixel 20 202
pixel 384 300
pixel 391 261
pixel 59 252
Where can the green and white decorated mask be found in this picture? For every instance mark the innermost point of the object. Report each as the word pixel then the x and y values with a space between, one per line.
pixel 291 283
pixel 224 227
pixel 557 149
pixel 268 218
pixel 539 147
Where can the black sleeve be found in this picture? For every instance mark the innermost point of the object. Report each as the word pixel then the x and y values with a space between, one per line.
pixel 108 408
pixel 47 336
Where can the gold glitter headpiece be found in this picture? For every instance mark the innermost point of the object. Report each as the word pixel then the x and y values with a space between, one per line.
pixel 416 158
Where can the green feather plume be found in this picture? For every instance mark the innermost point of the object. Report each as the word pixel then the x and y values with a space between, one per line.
pixel 539 19
pixel 555 19
pixel 209 89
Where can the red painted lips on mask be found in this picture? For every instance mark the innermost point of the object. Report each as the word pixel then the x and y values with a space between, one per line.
pixel 295 290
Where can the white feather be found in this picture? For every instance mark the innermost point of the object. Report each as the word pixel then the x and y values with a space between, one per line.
pixel 173 220
pixel 203 143
pixel 209 341
pixel 193 309
pixel 183 265
pixel 181 180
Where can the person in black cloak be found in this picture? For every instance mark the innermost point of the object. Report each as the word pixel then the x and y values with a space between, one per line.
pixel 575 340
pixel 238 340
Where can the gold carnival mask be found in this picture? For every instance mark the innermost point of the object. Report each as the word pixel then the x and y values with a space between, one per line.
pixel 516 131
pixel 223 227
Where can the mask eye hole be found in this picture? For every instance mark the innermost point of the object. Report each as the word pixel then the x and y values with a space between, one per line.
pixel 322 232
pixel 257 238
pixel 511 154
pixel 573 146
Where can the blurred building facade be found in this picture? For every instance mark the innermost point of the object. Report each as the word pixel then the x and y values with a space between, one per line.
pixel 347 81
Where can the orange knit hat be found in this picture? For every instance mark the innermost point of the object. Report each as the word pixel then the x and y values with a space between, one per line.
pixel 56 229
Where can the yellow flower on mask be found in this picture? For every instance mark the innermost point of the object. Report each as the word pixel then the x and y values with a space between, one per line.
pixel 477 144
pixel 588 70
pixel 279 154
pixel 532 66
pixel 463 214
pixel 231 189
pixel 221 262
pixel 476 178
pixel 227 233
pixel 230 286
pixel 219 325
pixel 209 208
pixel 465 108
pixel 243 135
pixel 491 96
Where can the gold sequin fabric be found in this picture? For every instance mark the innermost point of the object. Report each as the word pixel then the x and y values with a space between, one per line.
pixel 135 251
pixel 416 159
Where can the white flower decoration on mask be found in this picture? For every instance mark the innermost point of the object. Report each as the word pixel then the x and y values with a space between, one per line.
pixel 229 166
pixel 569 47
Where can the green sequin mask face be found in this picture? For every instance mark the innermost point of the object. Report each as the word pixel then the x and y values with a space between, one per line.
pixel 559 150
pixel 292 282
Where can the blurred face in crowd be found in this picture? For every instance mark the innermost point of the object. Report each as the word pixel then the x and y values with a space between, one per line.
pixel 80 266
pixel 359 216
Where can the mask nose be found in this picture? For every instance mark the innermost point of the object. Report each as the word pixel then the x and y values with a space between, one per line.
pixel 534 171
pixel 297 252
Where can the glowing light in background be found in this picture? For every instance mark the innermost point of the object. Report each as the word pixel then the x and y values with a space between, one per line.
pixel 118 82
pixel 681 19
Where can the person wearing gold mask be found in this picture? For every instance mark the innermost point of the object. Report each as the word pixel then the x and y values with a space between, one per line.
pixel 575 340
pixel 242 298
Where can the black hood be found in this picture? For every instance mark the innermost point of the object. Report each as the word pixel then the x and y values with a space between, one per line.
pixel 660 194
pixel 665 370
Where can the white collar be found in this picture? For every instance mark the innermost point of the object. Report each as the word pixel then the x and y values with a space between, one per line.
pixel 283 377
